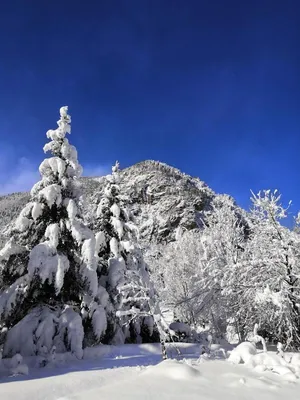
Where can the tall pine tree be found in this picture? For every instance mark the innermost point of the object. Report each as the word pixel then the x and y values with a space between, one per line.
pixel 134 314
pixel 49 286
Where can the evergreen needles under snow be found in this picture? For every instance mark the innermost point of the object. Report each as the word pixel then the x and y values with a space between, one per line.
pixel 123 269
pixel 48 266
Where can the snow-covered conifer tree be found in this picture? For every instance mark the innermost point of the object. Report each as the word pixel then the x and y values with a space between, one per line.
pixel 48 276
pixel 121 266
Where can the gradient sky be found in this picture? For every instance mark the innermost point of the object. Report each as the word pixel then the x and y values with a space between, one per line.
pixel 211 87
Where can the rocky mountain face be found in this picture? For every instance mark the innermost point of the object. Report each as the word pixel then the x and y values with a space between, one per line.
pixel 161 197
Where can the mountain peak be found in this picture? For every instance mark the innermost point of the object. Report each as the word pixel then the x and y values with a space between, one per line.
pixel 162 198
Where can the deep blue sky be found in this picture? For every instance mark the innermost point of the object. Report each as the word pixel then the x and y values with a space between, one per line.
pixel 211 87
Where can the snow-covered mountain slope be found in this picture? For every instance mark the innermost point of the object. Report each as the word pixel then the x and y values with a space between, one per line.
pixel 10 207
pixel 162 198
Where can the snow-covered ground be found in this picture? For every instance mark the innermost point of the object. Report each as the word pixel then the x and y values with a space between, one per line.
pixel 136 372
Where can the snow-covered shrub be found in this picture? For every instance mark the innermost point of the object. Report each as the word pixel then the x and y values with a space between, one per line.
pixel 182 330
pixel 17 365
pixel 273 363
pixel 242 353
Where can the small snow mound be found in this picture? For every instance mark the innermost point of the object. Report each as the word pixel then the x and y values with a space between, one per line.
pixel 242 353
pixel 266 359
pixel 272 362
pixel 21 369
pixel 295 360
pixel 285 372
pixel 173 369
pixel 17 365
pixel 260 368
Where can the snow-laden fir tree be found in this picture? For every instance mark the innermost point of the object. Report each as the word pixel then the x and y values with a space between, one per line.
pixel 134 313
pixel 49 286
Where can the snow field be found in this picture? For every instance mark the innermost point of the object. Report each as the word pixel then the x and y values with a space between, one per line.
pixel 136 372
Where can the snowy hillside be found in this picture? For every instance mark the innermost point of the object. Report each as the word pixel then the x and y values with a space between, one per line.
pixel 161 197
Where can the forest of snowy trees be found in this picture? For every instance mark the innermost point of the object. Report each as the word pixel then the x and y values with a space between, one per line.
pixel 241 270
pixel 67 281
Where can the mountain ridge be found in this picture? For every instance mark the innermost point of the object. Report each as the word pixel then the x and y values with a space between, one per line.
pixel 161 198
